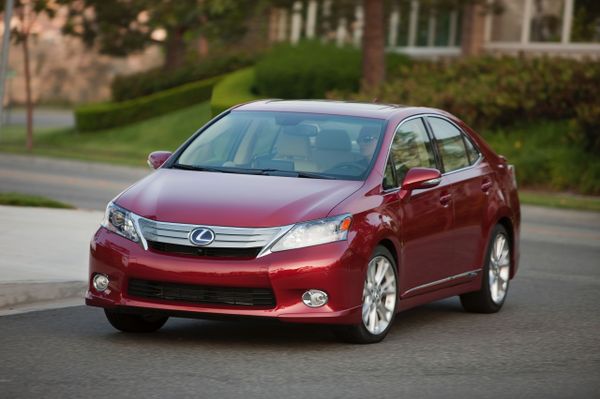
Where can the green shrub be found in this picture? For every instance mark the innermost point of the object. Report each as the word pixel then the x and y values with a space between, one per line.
pixel 310 69
pixel 105 115
pixel 489 91
pixel 233 89
pixel 545 158
pixel 126 87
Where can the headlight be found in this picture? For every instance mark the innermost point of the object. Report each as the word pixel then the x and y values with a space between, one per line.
pixel 119 220
pixel 315 232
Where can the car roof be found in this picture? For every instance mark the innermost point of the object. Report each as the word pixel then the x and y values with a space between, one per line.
pixel 360 109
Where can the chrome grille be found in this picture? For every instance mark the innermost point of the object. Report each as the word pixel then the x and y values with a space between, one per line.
pixel 225 237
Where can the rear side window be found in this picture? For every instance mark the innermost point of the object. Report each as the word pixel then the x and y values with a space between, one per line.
pixel 450 143
pixel 411 148
pixel 471 151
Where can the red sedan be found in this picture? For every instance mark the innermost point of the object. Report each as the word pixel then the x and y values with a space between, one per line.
pixel 311 211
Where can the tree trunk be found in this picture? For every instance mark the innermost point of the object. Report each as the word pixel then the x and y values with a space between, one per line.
pixel 28 101
pixel 175 49
pixel 373 61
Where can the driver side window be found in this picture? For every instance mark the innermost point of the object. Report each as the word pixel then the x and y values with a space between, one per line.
pixel 411 148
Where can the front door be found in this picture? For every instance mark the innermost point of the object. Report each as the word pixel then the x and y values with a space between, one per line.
pixel 426 217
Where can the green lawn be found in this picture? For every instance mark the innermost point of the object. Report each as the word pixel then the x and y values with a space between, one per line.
pixel 18 199
pixel 129 145
pixel 560 200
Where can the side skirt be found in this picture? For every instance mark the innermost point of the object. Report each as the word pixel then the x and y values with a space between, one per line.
pixel 457 289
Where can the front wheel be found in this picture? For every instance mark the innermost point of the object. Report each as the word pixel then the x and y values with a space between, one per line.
pixel 379 301
pixel 496 275
pixel 135 323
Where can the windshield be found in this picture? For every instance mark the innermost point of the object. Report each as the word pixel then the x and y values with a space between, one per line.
pixel 287 144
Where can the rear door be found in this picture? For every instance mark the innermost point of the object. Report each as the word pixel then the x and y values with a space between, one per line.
pixel 468 178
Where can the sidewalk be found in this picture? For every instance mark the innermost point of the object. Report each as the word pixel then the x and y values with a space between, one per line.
pixel 44 254
pixel 46 117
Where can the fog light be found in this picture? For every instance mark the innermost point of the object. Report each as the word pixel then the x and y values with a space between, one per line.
pixel 100 282
pixel 314 298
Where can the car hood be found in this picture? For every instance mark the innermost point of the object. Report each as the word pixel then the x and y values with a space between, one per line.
pixel 227 199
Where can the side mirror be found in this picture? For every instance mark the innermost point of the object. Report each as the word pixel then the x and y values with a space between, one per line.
pixel 157 158
pixel 417 178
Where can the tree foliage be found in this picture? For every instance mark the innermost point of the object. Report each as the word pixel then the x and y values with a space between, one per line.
pixel 122 27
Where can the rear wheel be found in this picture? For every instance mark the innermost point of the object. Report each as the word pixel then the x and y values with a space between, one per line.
pixel 135 323
pixel 496 274
pixel 379 301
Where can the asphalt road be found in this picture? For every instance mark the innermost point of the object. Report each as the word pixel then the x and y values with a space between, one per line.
pixel 545 343
pixel 82 184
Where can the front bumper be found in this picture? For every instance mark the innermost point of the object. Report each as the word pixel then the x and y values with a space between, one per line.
pixel 334 268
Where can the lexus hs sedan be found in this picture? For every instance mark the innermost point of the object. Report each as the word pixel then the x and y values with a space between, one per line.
pixel 311 212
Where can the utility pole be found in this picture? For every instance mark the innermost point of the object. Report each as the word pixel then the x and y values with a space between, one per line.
pixel 4 56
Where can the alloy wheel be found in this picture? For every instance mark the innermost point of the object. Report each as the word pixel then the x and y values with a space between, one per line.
pixel 499 269
pixel 379 295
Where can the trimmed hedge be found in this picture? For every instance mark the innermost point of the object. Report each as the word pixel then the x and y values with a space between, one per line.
pixel 233 89
pixel 126 87
pixel 106 115
pixel 310 69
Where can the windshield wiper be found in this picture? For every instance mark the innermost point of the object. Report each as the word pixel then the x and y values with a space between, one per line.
pixel 294 173
pixel 218 169
pixel 270 172
pixel 198 168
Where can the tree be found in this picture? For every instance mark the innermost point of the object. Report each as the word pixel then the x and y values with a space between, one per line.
pixel 373 61
pixel 122 27
pixel 27 12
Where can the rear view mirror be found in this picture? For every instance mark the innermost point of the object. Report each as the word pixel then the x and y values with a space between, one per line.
pixel 157 158
pixel 419 178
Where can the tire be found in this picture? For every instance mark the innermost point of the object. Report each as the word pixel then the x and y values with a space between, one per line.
pixel 135 323
pixel 495 278
pixel 376 320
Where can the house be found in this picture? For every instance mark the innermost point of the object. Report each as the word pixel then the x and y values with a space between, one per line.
pixel 433 29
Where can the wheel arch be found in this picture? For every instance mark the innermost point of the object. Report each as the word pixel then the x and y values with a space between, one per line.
pixel 389 245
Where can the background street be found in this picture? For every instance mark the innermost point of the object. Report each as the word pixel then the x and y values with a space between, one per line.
pixel 544 343
pixel 82 184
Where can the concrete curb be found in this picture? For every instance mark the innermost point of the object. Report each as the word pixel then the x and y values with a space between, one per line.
pixel 17 294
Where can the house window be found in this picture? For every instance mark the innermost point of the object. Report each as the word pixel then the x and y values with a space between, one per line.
pixel 586 21
pixel 424 27
pixel 549 23
pixel 545 24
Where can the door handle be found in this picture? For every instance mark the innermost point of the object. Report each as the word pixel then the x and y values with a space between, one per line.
pixel 445 199
pixel 486 185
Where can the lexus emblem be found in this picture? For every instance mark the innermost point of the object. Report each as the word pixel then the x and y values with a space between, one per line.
pixel 202 236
